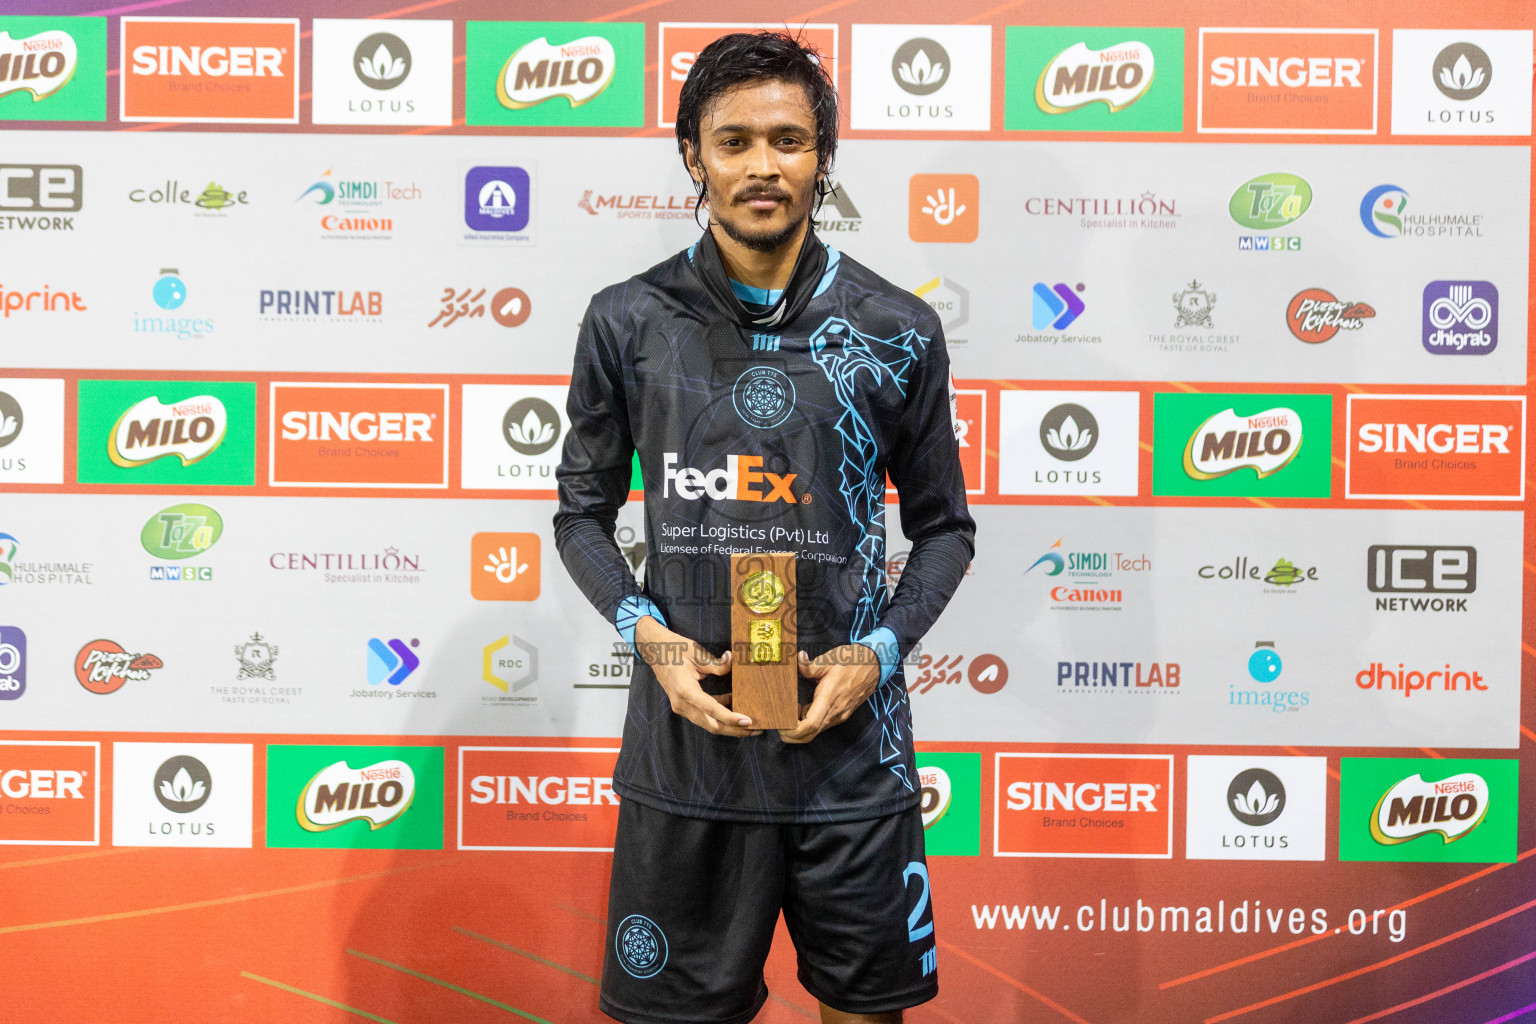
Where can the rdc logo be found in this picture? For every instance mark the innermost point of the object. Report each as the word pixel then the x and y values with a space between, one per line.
pixel 1461 318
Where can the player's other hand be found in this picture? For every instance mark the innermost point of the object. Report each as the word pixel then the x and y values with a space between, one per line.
pixel 679 664
pixel 845 677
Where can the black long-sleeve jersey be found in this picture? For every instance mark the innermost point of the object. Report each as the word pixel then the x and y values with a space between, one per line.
pixel 759 438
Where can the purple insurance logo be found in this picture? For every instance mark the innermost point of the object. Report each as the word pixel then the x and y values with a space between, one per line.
pixel 13 663
pixel 1461 318
pixel 496 199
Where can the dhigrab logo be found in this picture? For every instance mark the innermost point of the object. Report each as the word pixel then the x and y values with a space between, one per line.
pixel 742 479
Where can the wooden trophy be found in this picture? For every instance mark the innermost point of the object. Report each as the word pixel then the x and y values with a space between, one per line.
pixel 765 683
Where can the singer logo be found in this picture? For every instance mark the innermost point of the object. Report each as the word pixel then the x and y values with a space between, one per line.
pixel 149 430
pixel 504 566
pixel 537 798
pixel 1069 805
pixel 210 69
pixel 51 793
pixel 1470 448
pixel 359 435
pixel 1284 81
pixel 742 479
pixel 681 42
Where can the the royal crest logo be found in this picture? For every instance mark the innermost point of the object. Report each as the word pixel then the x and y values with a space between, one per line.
pixel 378 794
pixel 764 397
pixel 39 64
pixel 256 656
pixel 150 430
pixel 1314 315
pixel 1116 76
pixel 579 70
pixel 103 666
pixel 1194 305
pixel 1265 442
pixel 1451 808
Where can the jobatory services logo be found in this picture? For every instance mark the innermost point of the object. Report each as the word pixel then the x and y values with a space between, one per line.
pixel 555 73
pixel 51 792
pixel 53 69
pixel 1461 318
pixel 1314 315
pixel 1460 810
pixel 355 797
pixel 1461 81
pixel 944 208
pixel 1428 447
pixel 1055 307
pixel 391 662
pixel 509 307
pixel 1288 81
pixel 1255 808
pixel 537 798
pixel 1432 578
pixel 1242 445
pixel 1270 202
pixel 1094 79
pixel 227 70
pixel 32 430
pixel 166 432
pixel 504 566
pixel 13 662
pixel 679 45
pixel 359 435
pixel 1069 442
pixel 169 293
pixel 950 788
pixel 104 666
pixel 1082 805
pixel 382 71
pixel 182 794
pixel 922 77
pixel 37 197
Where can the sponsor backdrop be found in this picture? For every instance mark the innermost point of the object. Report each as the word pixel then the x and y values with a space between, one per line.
pixel 304 721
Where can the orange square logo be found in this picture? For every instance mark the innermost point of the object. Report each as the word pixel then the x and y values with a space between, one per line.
pixel 944 208
pixel 359 435
pixel 51 792
pixel 1089 805
pixel 210 69
pixel 537 798
pixel 504 566
pixel 1284 81
pixel 1457 447
pixel 680 43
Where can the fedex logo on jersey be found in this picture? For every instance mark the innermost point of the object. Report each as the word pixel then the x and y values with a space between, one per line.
pixel 742 479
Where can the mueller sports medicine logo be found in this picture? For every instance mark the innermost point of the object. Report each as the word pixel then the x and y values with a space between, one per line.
pixel 1464 447
pixel 742 479
pixel 1461 318
pixel 211 69
pixel 378 794
pixel 1284 81
pixel 40 64
pixel 1069 805
pixel 1265 442
pixel 1116 76
pixel 359 435
pixel 190 430
pixel 538 71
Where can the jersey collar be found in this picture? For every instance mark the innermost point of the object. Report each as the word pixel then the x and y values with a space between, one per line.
pixel 804 285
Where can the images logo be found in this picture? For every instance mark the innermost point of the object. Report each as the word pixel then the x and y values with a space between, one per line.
pixel 1264 668
pixel 1465 447
pixel 1423 809
pixel 102 666
pixel 171 432
pixel 359 435
pixel 1264 665
pixel 1270 201
pixel 210 69
pixel 1094 79
pixel 944 208
pixel 1072 805
pixel 1314 315
pixel 393 800
pixel 1284 81
pixel 950 803
pixel 1057 308
pixel 53 69
pixel 13 662
pixel 1203 443
pixel 1470 305
pixel 391 662
pixel 518 72
pixel 504 566
pixel 680 43
pixel 1462 71
pixel 52 792
pixel 170 292
pixel 181 531
pixel 1408 681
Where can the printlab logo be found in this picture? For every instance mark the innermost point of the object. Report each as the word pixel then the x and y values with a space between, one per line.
pixel 764 396
pixel 504 566
pixel 391 661
pixel 53 69
pixel 944 208
pixel 1069 432
pixel 1256 797
pixel 1462 71
pixel 1056 307
pixel 531 426
pixel 1461 318
pixel 13 661
pixel 256 657
pixel 920 66
pixel 382 61
pixel 183 784
pixel 1314 315
pixel 103 666
pixel 509 307
pixel 1194 305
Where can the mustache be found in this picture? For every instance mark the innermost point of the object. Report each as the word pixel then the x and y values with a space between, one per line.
pixel 752 192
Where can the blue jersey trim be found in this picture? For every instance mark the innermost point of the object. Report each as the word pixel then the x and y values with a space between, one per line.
pixel 883 642
pixel 761 296
pixel 631 611
pixel 833 256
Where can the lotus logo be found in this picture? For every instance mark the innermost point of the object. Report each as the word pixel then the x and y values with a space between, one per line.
pixel 10 419
pixel 1265 442
pixel 936 792
pixel 1069 432
pixel 1462 71
pixel 382 61
pixel 920 66
pixel 1256 797
pixel 378 794
pixel 183 784
pixel 1451 807
pixel 530 426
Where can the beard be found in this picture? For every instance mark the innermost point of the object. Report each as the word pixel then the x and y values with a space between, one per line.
pixel 768 240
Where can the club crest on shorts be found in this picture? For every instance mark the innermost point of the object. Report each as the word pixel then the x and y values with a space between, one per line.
pixel 641 946
pixel 764 397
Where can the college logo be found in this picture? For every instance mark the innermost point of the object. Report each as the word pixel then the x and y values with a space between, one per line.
pixel 181 531
pixel 1242 445
pixel 392 800
pixel 359 435
pixel 1285 81
pixel 13 662
pixel 1280 579
pixel 210 69
pixel 1069 442
pixel 372 71
pixel 213 200
pixel 103 666
pixel 1416 570
pixel 53 69
pixel 555 73
pixel 944 208
pixel 641 946
pixel 1458 82
pixel 1314 315
pixel 52 793
pixel 1094 79
pixel 537 798
pixel 255 657
pixel 504 566
pixel 1255 808
pixel 922 77
pixel 763 396
pixel 1465 447
pixel 1072 805
pixel 950 802
pixel 1461 318
pixel 680 44
pixel 171 432
pixel 1424 809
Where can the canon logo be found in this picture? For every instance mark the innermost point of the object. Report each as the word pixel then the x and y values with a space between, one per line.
pixel 356 426
pixel 216 61
pixel 1082 796
pixel 550 789
pixel 42 784
pixel 1463 438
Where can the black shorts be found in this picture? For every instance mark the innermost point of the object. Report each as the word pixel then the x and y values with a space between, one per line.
pixel 694 904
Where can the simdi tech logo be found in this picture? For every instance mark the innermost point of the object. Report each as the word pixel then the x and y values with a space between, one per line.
pixel 1094 79
pixel 359 435
pixel 221 70
pixel 1288 81
pixel 53 69
pixel 186 432
pixel 680 42
pixel 1242 445
pixel 537 798
pixel 52 793
pixel 355 797
pixel 1428 447
pixel 1460 810
pixel 555 73
pixel 1083 805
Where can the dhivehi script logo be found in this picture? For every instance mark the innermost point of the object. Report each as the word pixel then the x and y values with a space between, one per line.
pixel 1116 76
pixel 1452 807
pixel 1265 442
pixel 41 64
pixel 378 794
pixel 579 70
pixel 936 793
pixel 150 430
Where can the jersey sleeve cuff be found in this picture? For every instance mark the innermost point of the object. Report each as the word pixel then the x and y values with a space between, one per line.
pixel 883 642
pixel 631 611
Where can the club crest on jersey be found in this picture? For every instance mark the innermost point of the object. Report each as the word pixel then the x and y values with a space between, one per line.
pixel 742 479
pixel 764 397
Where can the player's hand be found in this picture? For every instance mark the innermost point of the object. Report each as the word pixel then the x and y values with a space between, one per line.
pixel 845 677
pixel 679 664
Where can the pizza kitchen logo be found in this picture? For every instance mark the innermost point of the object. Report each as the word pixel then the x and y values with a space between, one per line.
pixel 1314 315
pixel 104 666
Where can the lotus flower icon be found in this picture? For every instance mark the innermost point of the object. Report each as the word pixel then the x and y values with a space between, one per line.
pixel 1256 802
pixel 382 66
pixel 9 425
pixel 921 70
pixel 1069 437
pixel 532 431
pixel 182 784
pixel 1461 76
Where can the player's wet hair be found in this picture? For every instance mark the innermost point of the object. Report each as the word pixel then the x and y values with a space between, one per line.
pixel 746 58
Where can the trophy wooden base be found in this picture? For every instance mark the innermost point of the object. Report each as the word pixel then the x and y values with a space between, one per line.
pixel 765 683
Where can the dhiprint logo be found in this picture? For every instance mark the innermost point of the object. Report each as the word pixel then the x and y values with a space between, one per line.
pixel 764 396
pixel 504 566
pixel 531 426
pixel 391 661
pixel 1461 318
pixel 382 61
pixel 210 69
pixel 1256 797
pixel 1314 315
pixel 13 661
pixel 1069 432
pixel 1422 809
pixel 1056 307
pixel 183 784
pixel 944 208
pixel 1462 71
pixel 920 66
pixel 641 946
pixel 103 666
